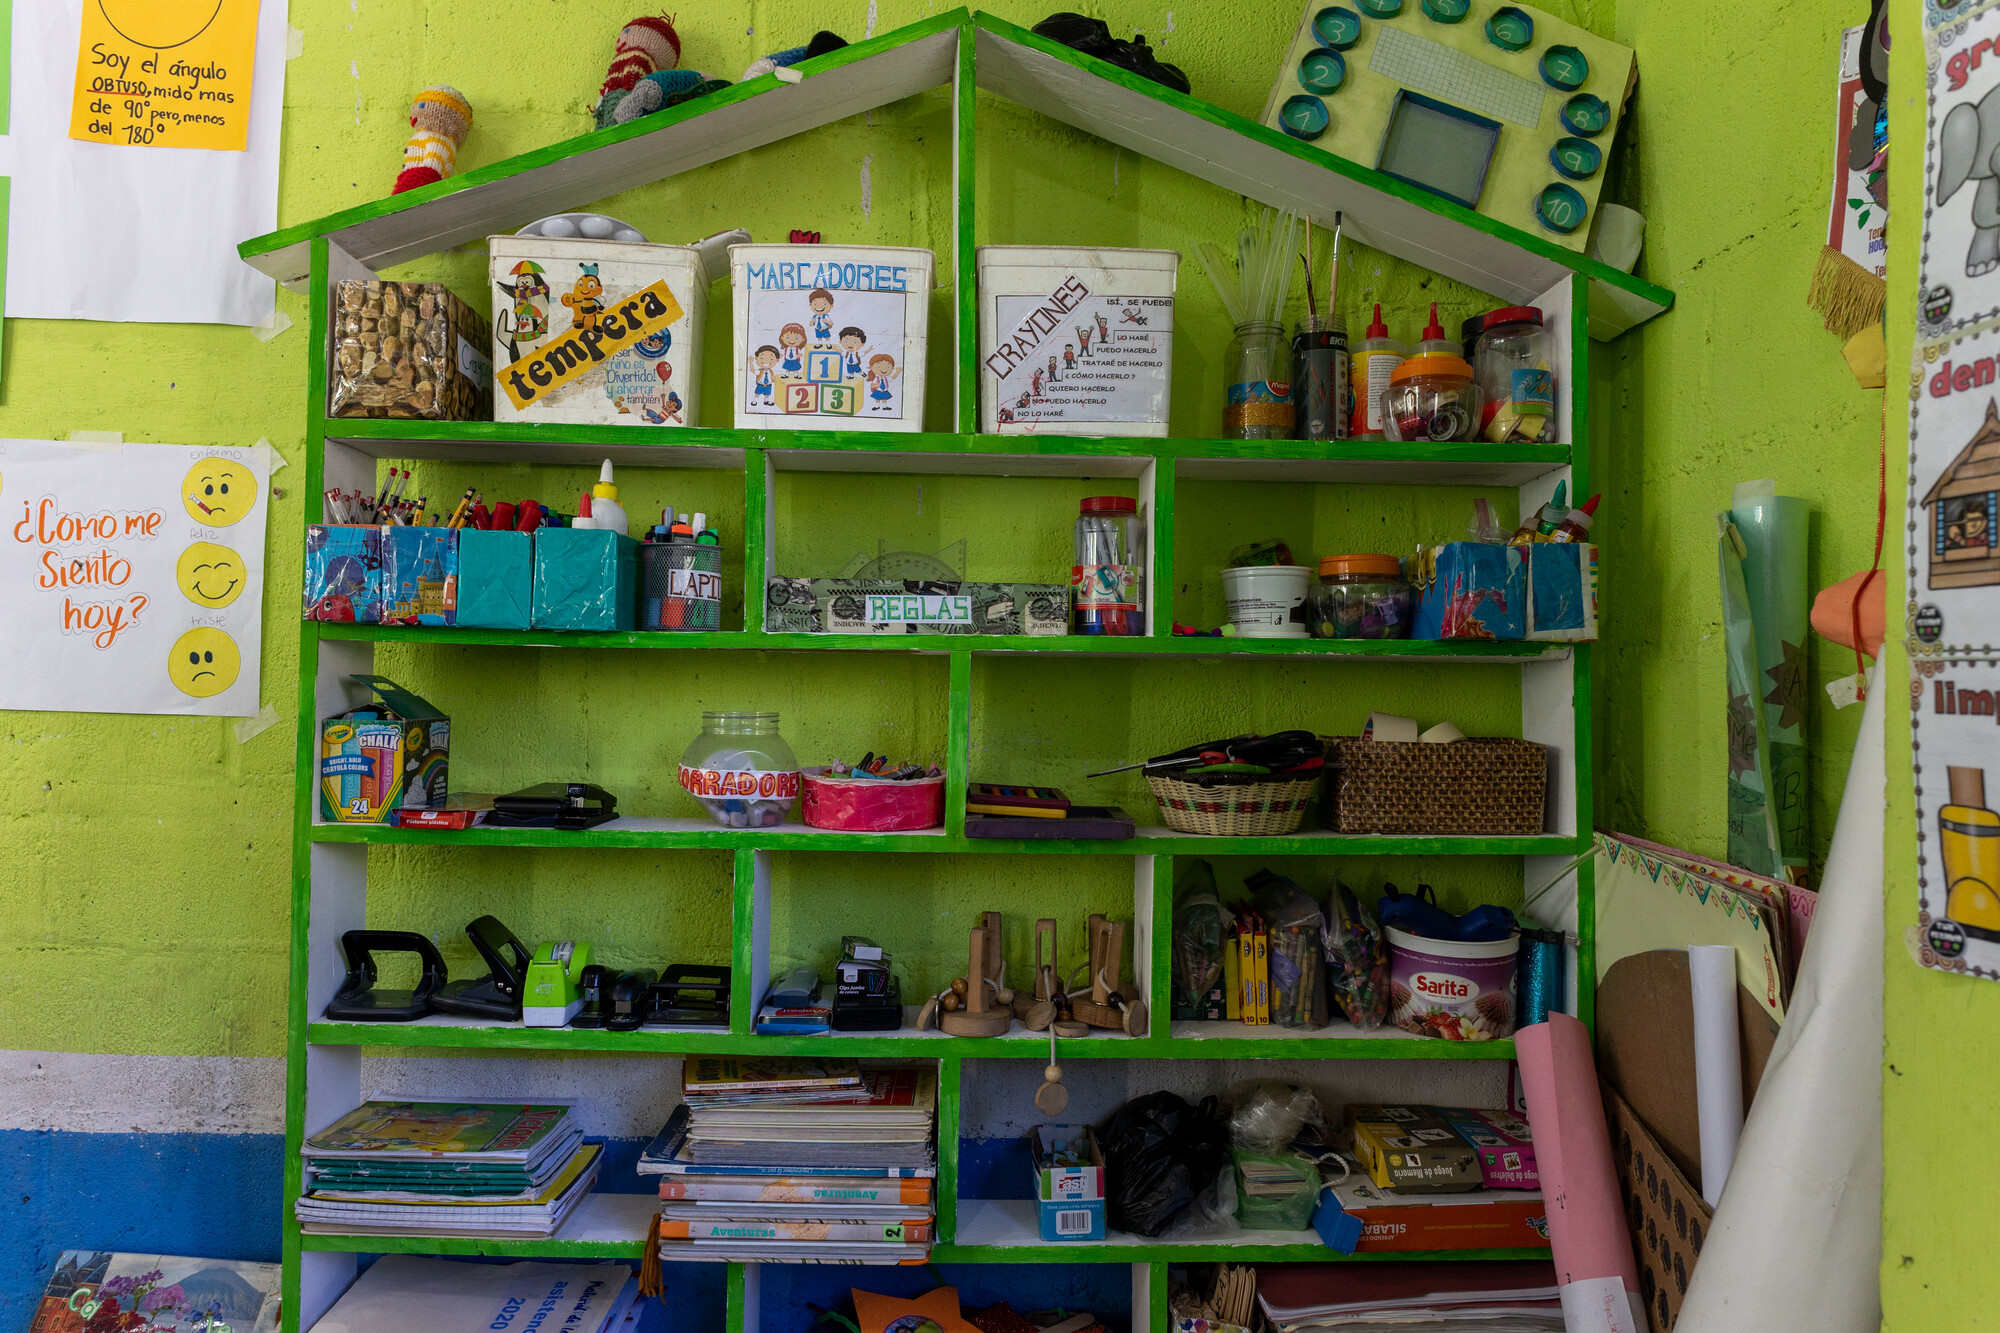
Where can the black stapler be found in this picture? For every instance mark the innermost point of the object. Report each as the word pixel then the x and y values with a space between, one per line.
pixel 498 994
pixel 688 996
pixel 358 1001
pixel 615 1000
pixel 562 805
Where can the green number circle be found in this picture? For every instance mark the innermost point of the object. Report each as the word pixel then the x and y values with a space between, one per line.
pixel 1586 114
pixel 1577 159
pixel 1322 71
pixel 1564 68
pixel 1510 29
pixel 1337 27
pixel 1560 209
pixel 1303 116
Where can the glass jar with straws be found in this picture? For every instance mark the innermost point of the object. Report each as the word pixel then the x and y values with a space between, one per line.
pixel 1258 365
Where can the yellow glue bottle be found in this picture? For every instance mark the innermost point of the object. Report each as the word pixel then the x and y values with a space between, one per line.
pixel 1969 842
pixel 1370 362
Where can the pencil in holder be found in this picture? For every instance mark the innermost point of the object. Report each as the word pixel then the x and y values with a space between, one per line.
pixel 683 587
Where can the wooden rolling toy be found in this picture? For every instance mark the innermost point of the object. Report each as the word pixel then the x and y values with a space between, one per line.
pixel 977 1018
pixel 1107 1007
pixel 1040 1011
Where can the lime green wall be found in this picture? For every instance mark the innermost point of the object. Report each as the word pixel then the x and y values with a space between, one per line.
pixel 1728 156
pixel 151 855
pixel 153 852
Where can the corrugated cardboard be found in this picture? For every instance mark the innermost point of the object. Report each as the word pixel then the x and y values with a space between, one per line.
pixel 1668 1219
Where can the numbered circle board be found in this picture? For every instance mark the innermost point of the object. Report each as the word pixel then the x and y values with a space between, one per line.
pixel 830 337
pixel 1448 52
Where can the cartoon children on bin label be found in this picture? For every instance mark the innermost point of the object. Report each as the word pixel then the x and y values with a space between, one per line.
pixel 825 350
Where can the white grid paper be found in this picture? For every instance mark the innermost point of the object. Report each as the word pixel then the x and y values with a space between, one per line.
pixel 1425 66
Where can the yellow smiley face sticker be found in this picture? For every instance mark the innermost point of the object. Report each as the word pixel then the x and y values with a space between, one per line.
pixel 203 662
pixel 209 575
pixel 218 492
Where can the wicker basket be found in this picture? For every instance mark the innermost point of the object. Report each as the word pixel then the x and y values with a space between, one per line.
pixel 1235 805
pixel 1491 787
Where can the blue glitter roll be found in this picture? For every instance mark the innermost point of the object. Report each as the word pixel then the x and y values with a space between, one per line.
pixel 1538 987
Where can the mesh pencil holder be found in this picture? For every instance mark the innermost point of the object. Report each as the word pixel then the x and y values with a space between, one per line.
pixel 1490 787
pixel 1233 804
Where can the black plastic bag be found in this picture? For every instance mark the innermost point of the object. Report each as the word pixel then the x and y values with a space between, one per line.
pixel 1159 1152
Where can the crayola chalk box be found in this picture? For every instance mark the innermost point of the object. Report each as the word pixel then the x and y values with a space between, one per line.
pixel 386 755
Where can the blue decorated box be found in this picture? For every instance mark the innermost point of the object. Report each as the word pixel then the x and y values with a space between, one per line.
pixel 496 579
pixel 1469 590
pixel 585 578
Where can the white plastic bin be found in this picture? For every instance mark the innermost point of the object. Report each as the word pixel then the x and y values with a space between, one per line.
pixel 582 332
pixel 1075 342
pixel 830 337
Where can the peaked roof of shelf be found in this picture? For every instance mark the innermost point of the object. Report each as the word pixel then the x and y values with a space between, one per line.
pixel 1186 133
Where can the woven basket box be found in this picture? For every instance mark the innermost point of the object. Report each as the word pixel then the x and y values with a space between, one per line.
pixel 1490 787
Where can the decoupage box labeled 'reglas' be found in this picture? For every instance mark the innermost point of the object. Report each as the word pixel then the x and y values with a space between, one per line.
pixel 1075 342
pixel 830 337
pixel 599 332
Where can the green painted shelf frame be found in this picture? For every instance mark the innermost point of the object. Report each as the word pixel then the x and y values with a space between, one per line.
pixel 969 51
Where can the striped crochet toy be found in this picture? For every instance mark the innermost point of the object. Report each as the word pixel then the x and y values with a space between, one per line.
pixel 440 119
pixel 646 45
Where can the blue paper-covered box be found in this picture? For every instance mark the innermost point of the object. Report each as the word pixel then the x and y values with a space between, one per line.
pixel 1469 590
pixel 496 579
pixel 419 575
pixel 1562 592
pixel 585 578
pixel 343 573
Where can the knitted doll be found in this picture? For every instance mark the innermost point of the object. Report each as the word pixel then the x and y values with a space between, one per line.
pixel 440 118
pixel 645 45
pixel 661 89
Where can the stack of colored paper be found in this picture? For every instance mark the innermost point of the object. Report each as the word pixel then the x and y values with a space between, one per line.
pixel 800 1161
pixel 1491 1297
pixel 447 1169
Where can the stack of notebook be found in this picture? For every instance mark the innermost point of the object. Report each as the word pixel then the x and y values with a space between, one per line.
pixel 402 1293
pixel 819 1161
pixel 1490 1296
pixel 507 1171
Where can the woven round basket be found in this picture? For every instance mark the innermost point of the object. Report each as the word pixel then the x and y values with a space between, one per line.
pixel 1234 804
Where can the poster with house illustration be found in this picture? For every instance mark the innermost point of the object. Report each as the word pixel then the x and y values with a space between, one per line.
pixel 1954 571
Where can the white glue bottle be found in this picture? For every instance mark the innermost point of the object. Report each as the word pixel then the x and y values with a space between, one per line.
pixel 605 511
pixel 1370 362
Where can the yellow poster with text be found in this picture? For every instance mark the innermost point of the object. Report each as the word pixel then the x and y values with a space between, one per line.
pixel 165 73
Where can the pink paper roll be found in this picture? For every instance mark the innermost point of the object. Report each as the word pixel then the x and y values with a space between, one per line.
pixel 1587 1236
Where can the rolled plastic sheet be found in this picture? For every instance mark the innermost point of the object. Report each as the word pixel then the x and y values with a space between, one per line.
pixel 1753 823
pixel 1718 1069
pixel 1796 1245
pixel 1538 988
pixel 1595 1267
pixel 1774 529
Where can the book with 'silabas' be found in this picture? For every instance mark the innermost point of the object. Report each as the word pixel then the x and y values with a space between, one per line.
pixel 1261 951
pixel 912 1231
pixel 1246 973
pixel 797 1189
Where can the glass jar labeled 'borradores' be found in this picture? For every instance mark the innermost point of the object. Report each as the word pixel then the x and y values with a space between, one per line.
pixel 741 770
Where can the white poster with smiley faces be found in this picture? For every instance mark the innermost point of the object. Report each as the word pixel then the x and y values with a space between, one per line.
pixel 132 577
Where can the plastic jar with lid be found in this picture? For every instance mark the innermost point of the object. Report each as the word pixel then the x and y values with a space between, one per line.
pixel 741 770
pixel 1359 597
pixel 1258 367
pixel 1431 398
pixel 1517 385
pixel 1108 582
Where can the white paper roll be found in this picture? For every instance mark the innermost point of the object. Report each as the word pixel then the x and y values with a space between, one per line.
pixel 1718 1072
pixel 1389 727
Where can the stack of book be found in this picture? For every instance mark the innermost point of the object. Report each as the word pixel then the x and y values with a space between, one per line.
pixel 815 1161
pixel 506 1171
pixel 402 1293
pixel 1491 1296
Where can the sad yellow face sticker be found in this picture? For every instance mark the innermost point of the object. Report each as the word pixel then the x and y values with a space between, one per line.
pixel 218 492
pixel 209 575
pixel 203 662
